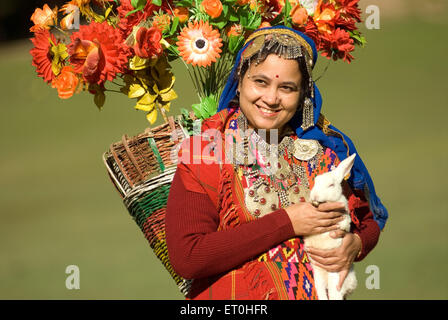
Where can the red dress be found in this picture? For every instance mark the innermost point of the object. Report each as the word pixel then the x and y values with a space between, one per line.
pixel 231 253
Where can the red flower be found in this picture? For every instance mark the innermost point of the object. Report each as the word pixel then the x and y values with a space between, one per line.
pixel 345 23
pixel 42 56
pixel 350 7
pixel 128 22
pixel 338 45
pixel 310 29
pixel 98 52
pixel 148 42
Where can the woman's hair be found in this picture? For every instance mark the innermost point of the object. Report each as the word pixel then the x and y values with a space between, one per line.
pixel 274 49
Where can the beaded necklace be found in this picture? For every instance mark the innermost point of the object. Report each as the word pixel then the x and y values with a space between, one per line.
pixel 275 174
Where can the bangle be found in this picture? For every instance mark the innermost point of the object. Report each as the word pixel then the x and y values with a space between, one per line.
pixel 360 250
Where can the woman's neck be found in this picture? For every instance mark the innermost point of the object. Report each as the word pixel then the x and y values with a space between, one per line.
pixel 274 136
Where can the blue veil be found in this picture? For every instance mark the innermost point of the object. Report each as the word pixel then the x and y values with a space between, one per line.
pixel 359 178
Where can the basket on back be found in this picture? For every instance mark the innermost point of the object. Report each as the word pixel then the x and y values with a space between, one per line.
pixel 142 169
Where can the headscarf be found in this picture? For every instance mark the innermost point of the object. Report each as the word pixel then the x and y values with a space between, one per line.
pixel 360 177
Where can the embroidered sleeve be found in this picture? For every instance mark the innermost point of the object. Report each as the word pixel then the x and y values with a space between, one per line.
pixel 196 249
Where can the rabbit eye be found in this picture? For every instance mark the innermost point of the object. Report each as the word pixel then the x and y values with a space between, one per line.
pixel 331 185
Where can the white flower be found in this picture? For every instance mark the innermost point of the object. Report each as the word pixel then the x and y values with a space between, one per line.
pixel 309 5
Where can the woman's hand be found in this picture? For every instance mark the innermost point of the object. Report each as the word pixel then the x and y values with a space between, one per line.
pixel 339 259
pixel 308 220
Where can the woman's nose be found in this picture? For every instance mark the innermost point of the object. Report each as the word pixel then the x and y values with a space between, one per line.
pixel 270 96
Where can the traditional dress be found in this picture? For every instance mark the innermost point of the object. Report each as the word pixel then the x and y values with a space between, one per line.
pixel 255 253
pixel 226 226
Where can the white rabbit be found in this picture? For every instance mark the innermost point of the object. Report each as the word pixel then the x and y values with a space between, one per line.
pixel 327 187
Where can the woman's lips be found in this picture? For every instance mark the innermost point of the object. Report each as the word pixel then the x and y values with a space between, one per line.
pixel 267 112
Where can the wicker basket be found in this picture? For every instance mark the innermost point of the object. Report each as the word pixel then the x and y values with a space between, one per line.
pixel 142 169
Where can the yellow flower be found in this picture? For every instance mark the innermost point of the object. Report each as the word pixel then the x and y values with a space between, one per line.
pixel 59 55
pixel 153 87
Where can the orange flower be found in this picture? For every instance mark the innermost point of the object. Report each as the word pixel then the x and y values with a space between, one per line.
pixel 182 13
pixel 324 17
pixel 243 2
pixel 234 30
pixel 44 18
pixel 162 21
pixel 299 15
pixel 212 7
pixel 66 82
pixel 264 24
pixel 199 44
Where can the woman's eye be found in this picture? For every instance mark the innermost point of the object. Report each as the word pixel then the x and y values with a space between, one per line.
pixel 288 89
pixel 259 81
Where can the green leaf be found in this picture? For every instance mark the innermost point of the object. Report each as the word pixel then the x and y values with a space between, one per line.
pixel 244 17
pixel 358 38
pixel 174 25
pixel 231 15
pixel 131 12
pixel 99 99
pixel 197 110
pixel 183 3
pixel 255 23
pixel 287 8
pixel 235 43
pixel 219 24
pixel 233 18
pixel 225 10
pixel 206 108
pixel 157 2
pixel 138 4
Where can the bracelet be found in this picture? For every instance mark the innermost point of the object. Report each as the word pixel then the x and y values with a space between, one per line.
pixel 360 250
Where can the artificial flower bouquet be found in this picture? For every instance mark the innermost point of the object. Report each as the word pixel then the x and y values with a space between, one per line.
pixel 126 46
pixel 108 46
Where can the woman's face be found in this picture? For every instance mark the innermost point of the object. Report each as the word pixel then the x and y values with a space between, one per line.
pixel 269 92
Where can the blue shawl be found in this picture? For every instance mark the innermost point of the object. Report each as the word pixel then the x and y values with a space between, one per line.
pixel 359 178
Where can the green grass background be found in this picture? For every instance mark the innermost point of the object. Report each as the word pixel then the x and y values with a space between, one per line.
pixel 58 206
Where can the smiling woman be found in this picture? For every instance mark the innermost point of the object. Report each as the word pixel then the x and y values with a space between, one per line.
pixel 236 229
pixel 269 93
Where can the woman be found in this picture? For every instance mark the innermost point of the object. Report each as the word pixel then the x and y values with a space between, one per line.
pixel 237 215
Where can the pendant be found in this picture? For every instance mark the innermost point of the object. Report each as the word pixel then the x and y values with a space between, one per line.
pixel 261 199
pixel 305 149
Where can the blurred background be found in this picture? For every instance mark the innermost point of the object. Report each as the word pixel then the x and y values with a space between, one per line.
pixel 59 208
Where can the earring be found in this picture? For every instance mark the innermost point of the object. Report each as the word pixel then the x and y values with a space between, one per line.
pixel 307 114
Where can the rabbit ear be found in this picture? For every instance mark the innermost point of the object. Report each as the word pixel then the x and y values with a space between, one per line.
pixel 345 166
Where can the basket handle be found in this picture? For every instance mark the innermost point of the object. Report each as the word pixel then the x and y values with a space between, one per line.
pixel 173 129
pixel 131 156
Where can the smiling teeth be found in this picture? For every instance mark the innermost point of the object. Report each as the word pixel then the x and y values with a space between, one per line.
pixel 268 110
